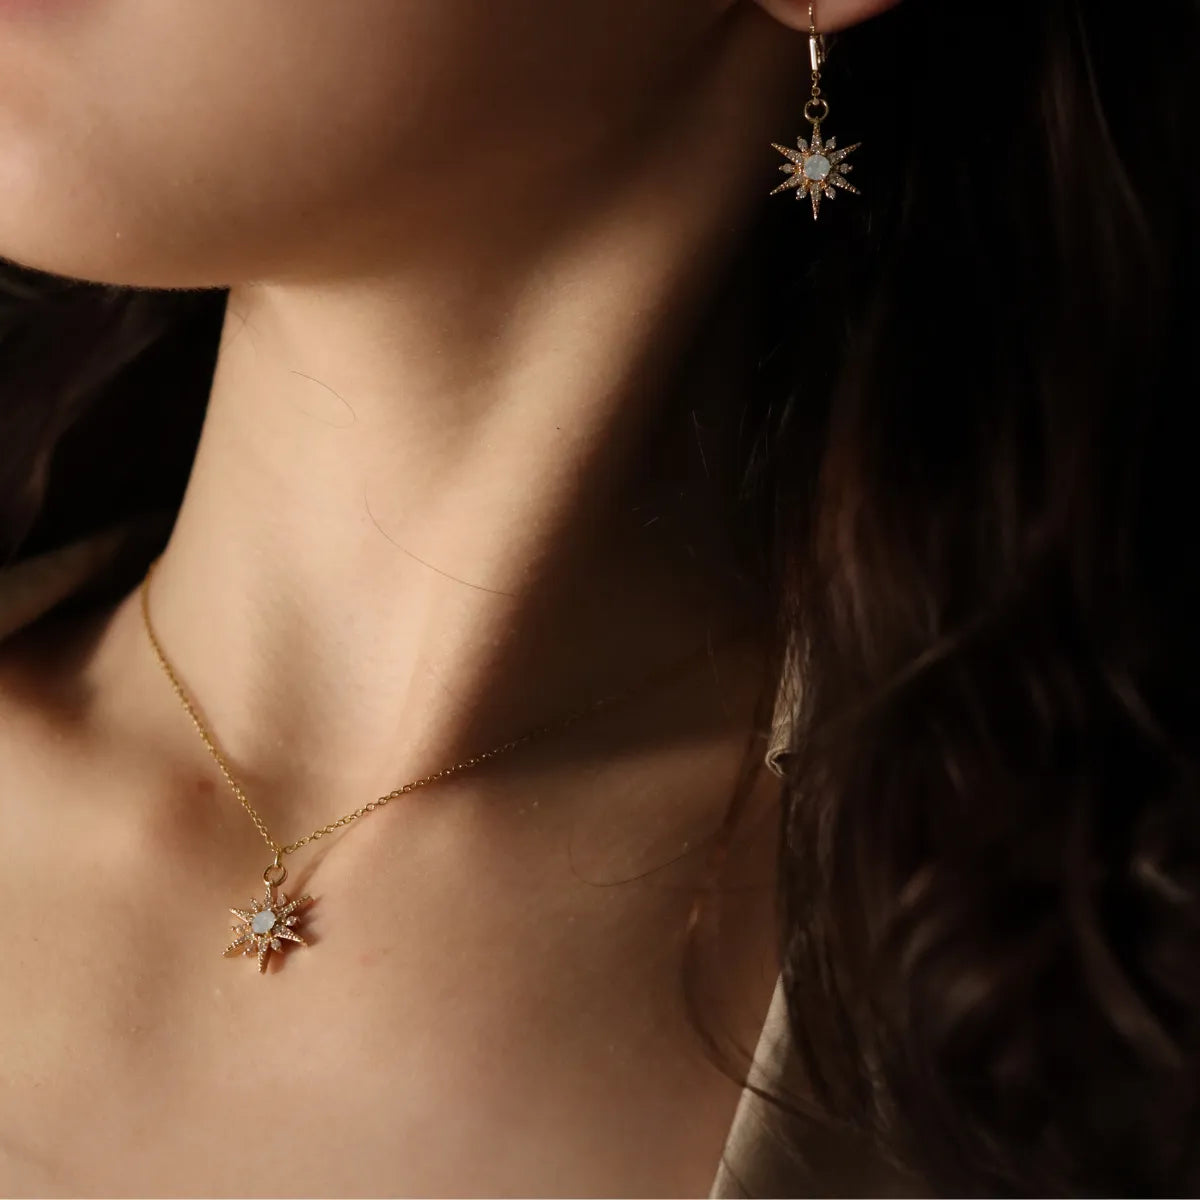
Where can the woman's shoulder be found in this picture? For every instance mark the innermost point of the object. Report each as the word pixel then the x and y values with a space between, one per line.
pixel 51 603
pixel 33 586
pixel 45 603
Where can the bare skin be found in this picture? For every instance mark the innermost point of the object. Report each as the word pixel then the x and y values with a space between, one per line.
pixel 468 249
pixel 490 1003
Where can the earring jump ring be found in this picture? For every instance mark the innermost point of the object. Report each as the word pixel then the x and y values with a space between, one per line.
pixel 816 110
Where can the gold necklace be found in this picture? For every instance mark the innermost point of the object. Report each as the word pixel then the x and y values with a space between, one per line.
pixel 268 924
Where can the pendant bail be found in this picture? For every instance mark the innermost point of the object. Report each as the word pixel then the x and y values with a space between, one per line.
pixel 276 873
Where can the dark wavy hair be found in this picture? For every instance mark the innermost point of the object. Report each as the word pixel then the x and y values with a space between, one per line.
pixel 963 476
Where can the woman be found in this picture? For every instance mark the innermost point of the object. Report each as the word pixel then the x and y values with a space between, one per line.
pixel 525 409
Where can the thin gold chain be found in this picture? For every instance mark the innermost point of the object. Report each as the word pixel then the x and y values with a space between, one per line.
pixel 571 718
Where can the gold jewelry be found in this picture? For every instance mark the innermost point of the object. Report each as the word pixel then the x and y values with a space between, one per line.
pixel 817 168
pixel 268 923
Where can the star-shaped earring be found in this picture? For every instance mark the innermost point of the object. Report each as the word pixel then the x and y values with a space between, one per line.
pixel 817 169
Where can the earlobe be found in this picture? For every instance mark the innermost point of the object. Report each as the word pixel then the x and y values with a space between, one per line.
pixel 831 15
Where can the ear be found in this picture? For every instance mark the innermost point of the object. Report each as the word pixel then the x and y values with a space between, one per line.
pixel 831 15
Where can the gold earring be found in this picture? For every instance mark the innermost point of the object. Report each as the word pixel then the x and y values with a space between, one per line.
pixel 818 168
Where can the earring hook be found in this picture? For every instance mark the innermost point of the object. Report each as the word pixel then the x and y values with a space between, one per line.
pixel 816 43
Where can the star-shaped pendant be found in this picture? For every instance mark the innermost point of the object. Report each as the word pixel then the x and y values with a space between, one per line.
pixel 266 925
pixel 816 170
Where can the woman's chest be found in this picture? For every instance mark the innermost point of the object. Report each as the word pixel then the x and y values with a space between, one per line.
pixel 495 1019
pixel 345 1103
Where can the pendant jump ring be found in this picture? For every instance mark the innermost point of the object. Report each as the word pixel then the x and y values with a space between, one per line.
pixel 276 873
pixel 816 110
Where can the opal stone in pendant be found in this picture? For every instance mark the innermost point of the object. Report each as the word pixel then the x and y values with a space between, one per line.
pixel 266 925
pixel 263 921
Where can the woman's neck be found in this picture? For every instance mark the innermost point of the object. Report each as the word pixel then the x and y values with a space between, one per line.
pixel 426 508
